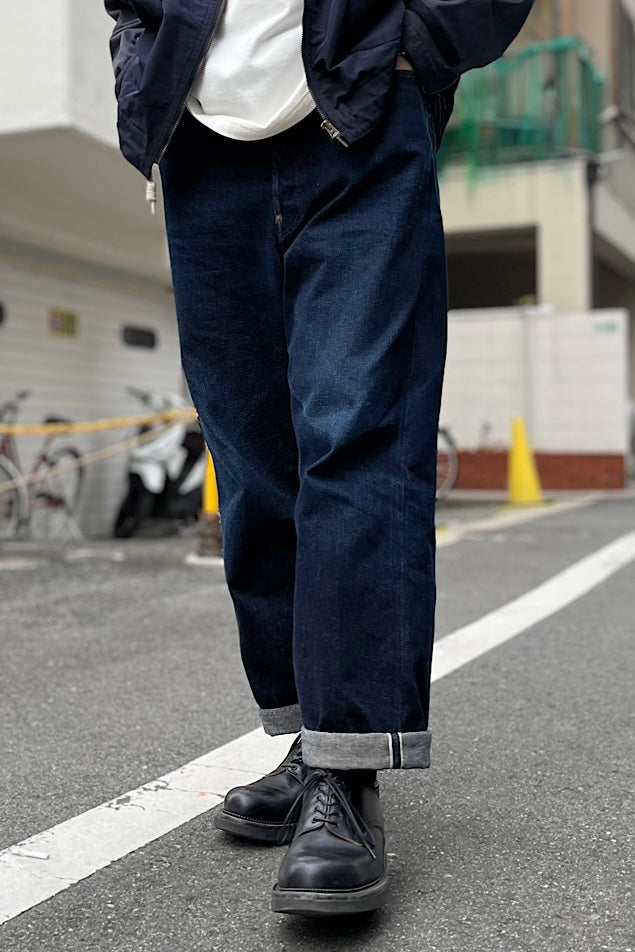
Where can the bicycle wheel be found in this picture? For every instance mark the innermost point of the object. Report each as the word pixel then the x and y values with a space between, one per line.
pixel 13 502
pixel 56 496
pixel 447 463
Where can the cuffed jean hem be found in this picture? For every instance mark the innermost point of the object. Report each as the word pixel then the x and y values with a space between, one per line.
pixel 366 751
pixel 281 720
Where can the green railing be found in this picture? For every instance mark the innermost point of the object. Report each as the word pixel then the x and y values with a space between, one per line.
pixel 544 102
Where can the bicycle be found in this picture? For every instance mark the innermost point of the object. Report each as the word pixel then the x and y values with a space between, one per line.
pixel 447 463
pixel 46 506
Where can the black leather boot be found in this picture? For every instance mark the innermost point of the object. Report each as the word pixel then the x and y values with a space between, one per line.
pixel 336 864
pixel 267 809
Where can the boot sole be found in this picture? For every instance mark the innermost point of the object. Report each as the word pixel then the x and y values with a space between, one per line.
pixel 275 833
pixel 300 902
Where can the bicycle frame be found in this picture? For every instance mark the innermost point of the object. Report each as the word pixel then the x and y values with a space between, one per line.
pixel 33 494
pixel 9 448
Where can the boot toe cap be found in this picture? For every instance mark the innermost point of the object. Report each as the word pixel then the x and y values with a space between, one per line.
pixel 238 801
pixel 342 869
pixel 264 802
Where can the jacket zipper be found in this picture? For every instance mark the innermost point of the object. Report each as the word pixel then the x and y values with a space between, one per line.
pixel 151 185
pixel 326 123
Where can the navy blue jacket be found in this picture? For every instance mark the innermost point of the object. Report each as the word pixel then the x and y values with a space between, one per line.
pixel 349 49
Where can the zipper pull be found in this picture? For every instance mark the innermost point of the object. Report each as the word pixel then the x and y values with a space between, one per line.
pixel 151 195
pixel 334 133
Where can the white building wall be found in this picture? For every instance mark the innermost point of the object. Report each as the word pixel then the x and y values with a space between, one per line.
pixel 34 53
pixel 55 68
pixel 91 97
pixel 565 374
pixel 552 197
pixel 83 377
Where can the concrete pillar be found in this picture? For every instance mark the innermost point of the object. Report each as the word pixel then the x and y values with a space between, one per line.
pixel 564 253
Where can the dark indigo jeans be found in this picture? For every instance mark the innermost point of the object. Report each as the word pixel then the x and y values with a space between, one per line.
pixel 310 288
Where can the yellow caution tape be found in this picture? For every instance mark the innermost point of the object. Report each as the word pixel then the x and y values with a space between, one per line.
pixel 186 415
pixel 46 472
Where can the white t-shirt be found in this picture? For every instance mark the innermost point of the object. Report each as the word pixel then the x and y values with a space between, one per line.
pixel 252 84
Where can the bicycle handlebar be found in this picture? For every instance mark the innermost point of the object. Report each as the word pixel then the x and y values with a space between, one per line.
pixel 9 409
pixel 142 395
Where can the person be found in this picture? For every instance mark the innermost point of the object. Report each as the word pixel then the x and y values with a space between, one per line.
pixel 296 146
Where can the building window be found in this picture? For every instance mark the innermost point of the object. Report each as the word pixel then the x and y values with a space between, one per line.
pixel 2 313
pixel 626 63
pixel 139 337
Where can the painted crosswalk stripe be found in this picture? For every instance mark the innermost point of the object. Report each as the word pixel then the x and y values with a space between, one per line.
pixel 78 847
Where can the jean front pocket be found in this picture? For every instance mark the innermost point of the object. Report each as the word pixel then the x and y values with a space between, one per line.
pixel 408 87
pixel 440 106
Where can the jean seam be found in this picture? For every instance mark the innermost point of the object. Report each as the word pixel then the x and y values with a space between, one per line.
pixel 275 199
pixel 284 232
pixel 403 487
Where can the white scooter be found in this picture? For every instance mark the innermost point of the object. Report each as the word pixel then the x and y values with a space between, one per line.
pixel 166 474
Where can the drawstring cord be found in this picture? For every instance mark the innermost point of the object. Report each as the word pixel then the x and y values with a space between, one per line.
pixel 151 194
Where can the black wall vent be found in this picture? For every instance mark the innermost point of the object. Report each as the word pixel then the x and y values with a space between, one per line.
pixel 139 337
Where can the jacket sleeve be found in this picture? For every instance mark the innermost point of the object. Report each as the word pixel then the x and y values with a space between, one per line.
pixel 445 38
pixel 128 26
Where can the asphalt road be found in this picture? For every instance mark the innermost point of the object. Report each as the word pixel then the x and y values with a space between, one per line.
pixel 519 838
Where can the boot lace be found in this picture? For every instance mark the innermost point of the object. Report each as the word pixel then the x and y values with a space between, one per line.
pixel 330 805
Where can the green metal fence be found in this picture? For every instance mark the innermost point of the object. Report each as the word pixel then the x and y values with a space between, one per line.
pixel 544 102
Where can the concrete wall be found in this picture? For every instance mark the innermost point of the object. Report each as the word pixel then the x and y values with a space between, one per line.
pixel 596 24
pixel 91 99
pixel 34 53
pixel 591 21
pixel 565 374
pixel 553 198
pixel 55 68
pixel 614 290
pixel 83 376
pixel 66 190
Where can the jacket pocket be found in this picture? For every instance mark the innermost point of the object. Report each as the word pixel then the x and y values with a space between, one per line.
pixel 127 90
pixel 125 56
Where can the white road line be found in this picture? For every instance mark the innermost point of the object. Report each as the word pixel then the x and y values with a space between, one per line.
pixel 80 555
pixel 79 847
pixel 203 561
pixel 470 642
pixel 17 565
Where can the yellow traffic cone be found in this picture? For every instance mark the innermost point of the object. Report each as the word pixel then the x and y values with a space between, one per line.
pixel 210 489
pixel 210 541
pixel 523 483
